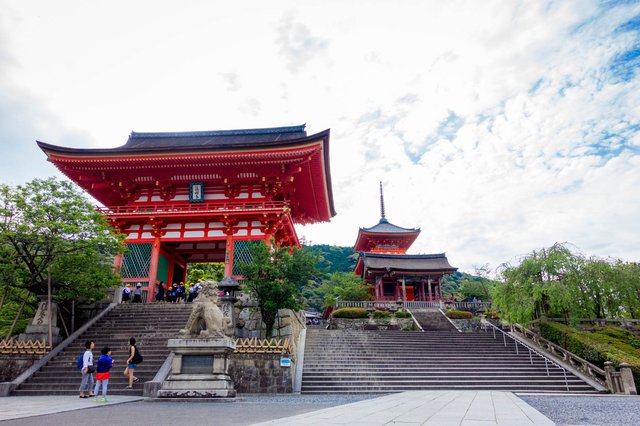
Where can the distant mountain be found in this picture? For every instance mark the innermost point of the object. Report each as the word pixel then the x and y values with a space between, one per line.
pixel 334 258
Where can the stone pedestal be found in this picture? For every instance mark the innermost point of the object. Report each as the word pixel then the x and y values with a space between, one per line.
pixel 200 369
pixel 38 328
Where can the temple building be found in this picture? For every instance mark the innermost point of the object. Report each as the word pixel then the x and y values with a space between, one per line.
pixel 203 196
pixel 395 275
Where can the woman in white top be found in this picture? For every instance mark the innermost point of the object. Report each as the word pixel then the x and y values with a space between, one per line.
pixel 87 370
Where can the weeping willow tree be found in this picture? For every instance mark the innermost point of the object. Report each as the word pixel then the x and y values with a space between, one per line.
pixel 557 282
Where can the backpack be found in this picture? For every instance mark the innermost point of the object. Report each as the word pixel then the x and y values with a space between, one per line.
pixel 137 358
pixel 80 361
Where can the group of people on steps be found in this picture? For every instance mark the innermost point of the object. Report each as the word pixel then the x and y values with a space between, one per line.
pixel 175 293
pixel 102 369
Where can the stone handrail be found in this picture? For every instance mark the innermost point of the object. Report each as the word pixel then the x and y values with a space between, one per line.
pixel 152 387
pixel 615 382
pixel 594 372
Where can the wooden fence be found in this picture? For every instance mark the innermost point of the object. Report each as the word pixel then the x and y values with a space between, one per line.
pixel 262 346
pixel 23 347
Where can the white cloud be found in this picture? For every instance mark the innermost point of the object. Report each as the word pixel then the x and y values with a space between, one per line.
pixel 496 127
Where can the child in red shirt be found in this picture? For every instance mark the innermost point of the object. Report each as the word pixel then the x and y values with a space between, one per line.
pixel 103 367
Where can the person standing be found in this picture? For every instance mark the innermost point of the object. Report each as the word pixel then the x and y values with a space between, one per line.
pixel 132 363
pixel 86 385
pixel 103 372
pixel 137 294
pixel 160 291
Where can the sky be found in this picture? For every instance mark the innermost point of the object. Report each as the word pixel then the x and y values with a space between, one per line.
pixel 497 127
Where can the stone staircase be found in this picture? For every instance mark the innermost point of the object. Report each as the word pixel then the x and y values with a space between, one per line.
pixel 432 320
pixel 350 361
pixel 150 324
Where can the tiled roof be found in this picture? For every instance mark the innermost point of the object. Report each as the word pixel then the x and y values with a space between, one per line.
pixel 408 262
pixel 214 138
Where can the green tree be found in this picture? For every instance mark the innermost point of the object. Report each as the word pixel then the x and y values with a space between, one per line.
pixel 556 282
pixel 48 225
pixel 204 271
pixel 276 278
pixel 345 286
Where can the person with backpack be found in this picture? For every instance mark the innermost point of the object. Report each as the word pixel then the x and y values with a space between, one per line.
pixel 103 373
pixel 126 293
pixel 132 362
pixel 85 365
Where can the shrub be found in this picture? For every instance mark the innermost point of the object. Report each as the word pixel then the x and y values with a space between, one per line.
pixel 459 314
pixel 350 313
pixel 381 314
pixel 596 346
pixel 403 314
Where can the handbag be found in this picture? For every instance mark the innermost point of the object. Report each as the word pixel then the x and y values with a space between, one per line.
pixel 91 370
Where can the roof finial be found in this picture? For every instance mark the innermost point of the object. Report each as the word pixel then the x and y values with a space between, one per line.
pixel 381 202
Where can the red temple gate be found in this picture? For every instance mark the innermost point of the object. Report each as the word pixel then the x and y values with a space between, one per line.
pixel 203 196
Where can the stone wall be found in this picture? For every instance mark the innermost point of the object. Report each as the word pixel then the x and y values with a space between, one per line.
pixel 405 324
pixel 467 325
pixel 11 366
pixel 260 373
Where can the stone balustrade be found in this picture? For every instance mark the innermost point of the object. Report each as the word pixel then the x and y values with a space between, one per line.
pixel 616 382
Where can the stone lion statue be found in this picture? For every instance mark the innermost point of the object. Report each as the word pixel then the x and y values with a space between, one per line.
pixel 205 308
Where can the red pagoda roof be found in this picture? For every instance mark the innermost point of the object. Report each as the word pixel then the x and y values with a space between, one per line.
pixel 285 156
pixel 385 236
pixel 404 263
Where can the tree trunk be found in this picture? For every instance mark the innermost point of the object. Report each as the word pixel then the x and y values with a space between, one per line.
pixel 15 320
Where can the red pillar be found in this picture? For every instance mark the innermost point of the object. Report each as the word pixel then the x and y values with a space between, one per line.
pixel 228 256
pixel 117 262
pixel 440 289
pixel 153 269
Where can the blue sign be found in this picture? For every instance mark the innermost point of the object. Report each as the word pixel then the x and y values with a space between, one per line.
pixel 285 362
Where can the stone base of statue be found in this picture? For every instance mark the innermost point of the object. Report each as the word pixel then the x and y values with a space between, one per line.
pixel 200 369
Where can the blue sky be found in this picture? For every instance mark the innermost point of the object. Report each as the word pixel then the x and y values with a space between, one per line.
pixel 496 127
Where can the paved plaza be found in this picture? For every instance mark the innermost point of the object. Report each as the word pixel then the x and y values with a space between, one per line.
pixel 468 408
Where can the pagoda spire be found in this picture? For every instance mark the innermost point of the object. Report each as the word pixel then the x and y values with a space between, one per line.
pixel 382 215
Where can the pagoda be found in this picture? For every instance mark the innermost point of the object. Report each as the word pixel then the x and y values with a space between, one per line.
pixel 183 197
pixel 395 275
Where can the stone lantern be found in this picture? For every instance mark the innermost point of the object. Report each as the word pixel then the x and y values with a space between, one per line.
pixel 229 287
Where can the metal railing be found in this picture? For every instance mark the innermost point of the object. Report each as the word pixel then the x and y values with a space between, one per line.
pixel 532 351
pixel 593 372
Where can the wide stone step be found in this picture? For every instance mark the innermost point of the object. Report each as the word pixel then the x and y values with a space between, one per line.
pixel 392 389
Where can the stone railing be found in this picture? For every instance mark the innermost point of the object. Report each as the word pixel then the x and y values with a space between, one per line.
pixel 366 304
pixel 615 382
pixel 262 346
pixel 413 304
pixel 23 347
pixel 475 306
